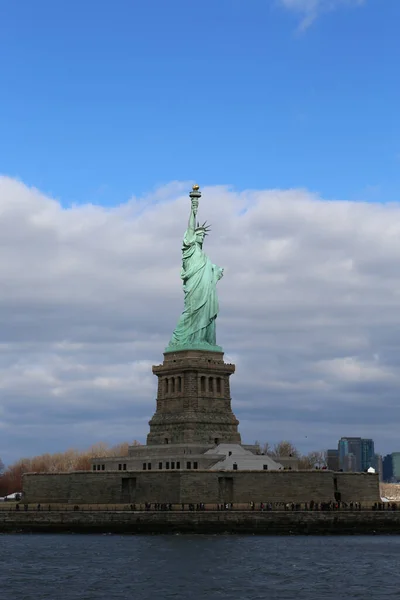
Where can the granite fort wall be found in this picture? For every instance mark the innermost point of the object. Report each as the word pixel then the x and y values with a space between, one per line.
pixel 83 487
pixel 357 522
pixel 360 486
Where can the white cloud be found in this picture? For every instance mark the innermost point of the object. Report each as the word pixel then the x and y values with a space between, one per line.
pixel 350 369
pixel 90 296
pixel 309 10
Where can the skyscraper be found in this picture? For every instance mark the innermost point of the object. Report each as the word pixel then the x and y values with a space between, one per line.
pixel 388 468
pixel 332 460
pixel 378 466
pixel 396 466
pixel 350 463
pixel 362 451
pixel 347 446
pixel 367 454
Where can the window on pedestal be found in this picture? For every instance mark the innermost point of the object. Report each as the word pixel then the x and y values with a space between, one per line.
pixel 178 465
pixel 188 465
pixel 160 465
pixel 172 385
pixel 195 465
pixel 165 386
pixel 211 384
pixel 218 385
pixel 179 384
pixel 94 467
pixel 202 384
pixel 144 466
pixel 172 465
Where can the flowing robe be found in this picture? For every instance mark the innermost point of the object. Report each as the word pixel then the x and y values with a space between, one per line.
pixel 196 326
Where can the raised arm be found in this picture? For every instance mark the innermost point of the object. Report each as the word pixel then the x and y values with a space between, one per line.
pixel 195 195
pixel 190 235
pixel 192 216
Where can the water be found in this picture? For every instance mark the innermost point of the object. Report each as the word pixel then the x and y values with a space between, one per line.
pixel 107 567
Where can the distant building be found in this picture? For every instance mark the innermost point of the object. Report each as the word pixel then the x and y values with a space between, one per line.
pixel 391 468
pixel 332 459
pixel 388 468
pixel 350 463
pixel 356 453
pixel 396 466
pixel 350 446
pixel 378 466
pixel 367 454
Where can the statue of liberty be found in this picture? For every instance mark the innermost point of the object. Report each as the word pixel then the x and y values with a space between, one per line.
pixel 196 326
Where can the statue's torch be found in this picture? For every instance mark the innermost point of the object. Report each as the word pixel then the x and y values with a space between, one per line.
pixel 195 194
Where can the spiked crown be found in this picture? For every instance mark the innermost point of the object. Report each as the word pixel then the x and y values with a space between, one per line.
pixel 205 228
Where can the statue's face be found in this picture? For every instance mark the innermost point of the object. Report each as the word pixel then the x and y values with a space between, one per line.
pixel 200 237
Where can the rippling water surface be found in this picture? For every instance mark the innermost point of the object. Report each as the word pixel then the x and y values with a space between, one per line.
pixel 104 567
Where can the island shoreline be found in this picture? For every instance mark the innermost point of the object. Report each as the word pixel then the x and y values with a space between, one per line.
pixel 363 522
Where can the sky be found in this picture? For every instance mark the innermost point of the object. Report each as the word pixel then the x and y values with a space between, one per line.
pixel 285 112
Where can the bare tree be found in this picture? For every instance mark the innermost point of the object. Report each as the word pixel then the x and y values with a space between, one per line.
pixel 313 460
pixel 318 457
pixel 62 462
pixel 285 448
pixel 266 448
pixel 263 448
pixel 2 467
pixel 257 445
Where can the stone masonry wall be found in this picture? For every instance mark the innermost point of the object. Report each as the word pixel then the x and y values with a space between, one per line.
pixel 193 400
pixel 359 486
pixel 211 487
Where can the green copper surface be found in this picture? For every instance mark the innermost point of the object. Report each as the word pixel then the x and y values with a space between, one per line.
pixel 196 327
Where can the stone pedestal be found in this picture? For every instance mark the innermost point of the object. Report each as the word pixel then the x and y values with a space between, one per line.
pixel 193 400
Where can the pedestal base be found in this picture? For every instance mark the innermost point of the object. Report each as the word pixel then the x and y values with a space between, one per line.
pixel 193 400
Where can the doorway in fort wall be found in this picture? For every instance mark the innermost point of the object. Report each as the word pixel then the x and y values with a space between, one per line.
pixel 225 489
pixel 128 489
pixel 337 494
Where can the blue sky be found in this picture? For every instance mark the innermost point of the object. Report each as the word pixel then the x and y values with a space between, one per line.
pixel 101 100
